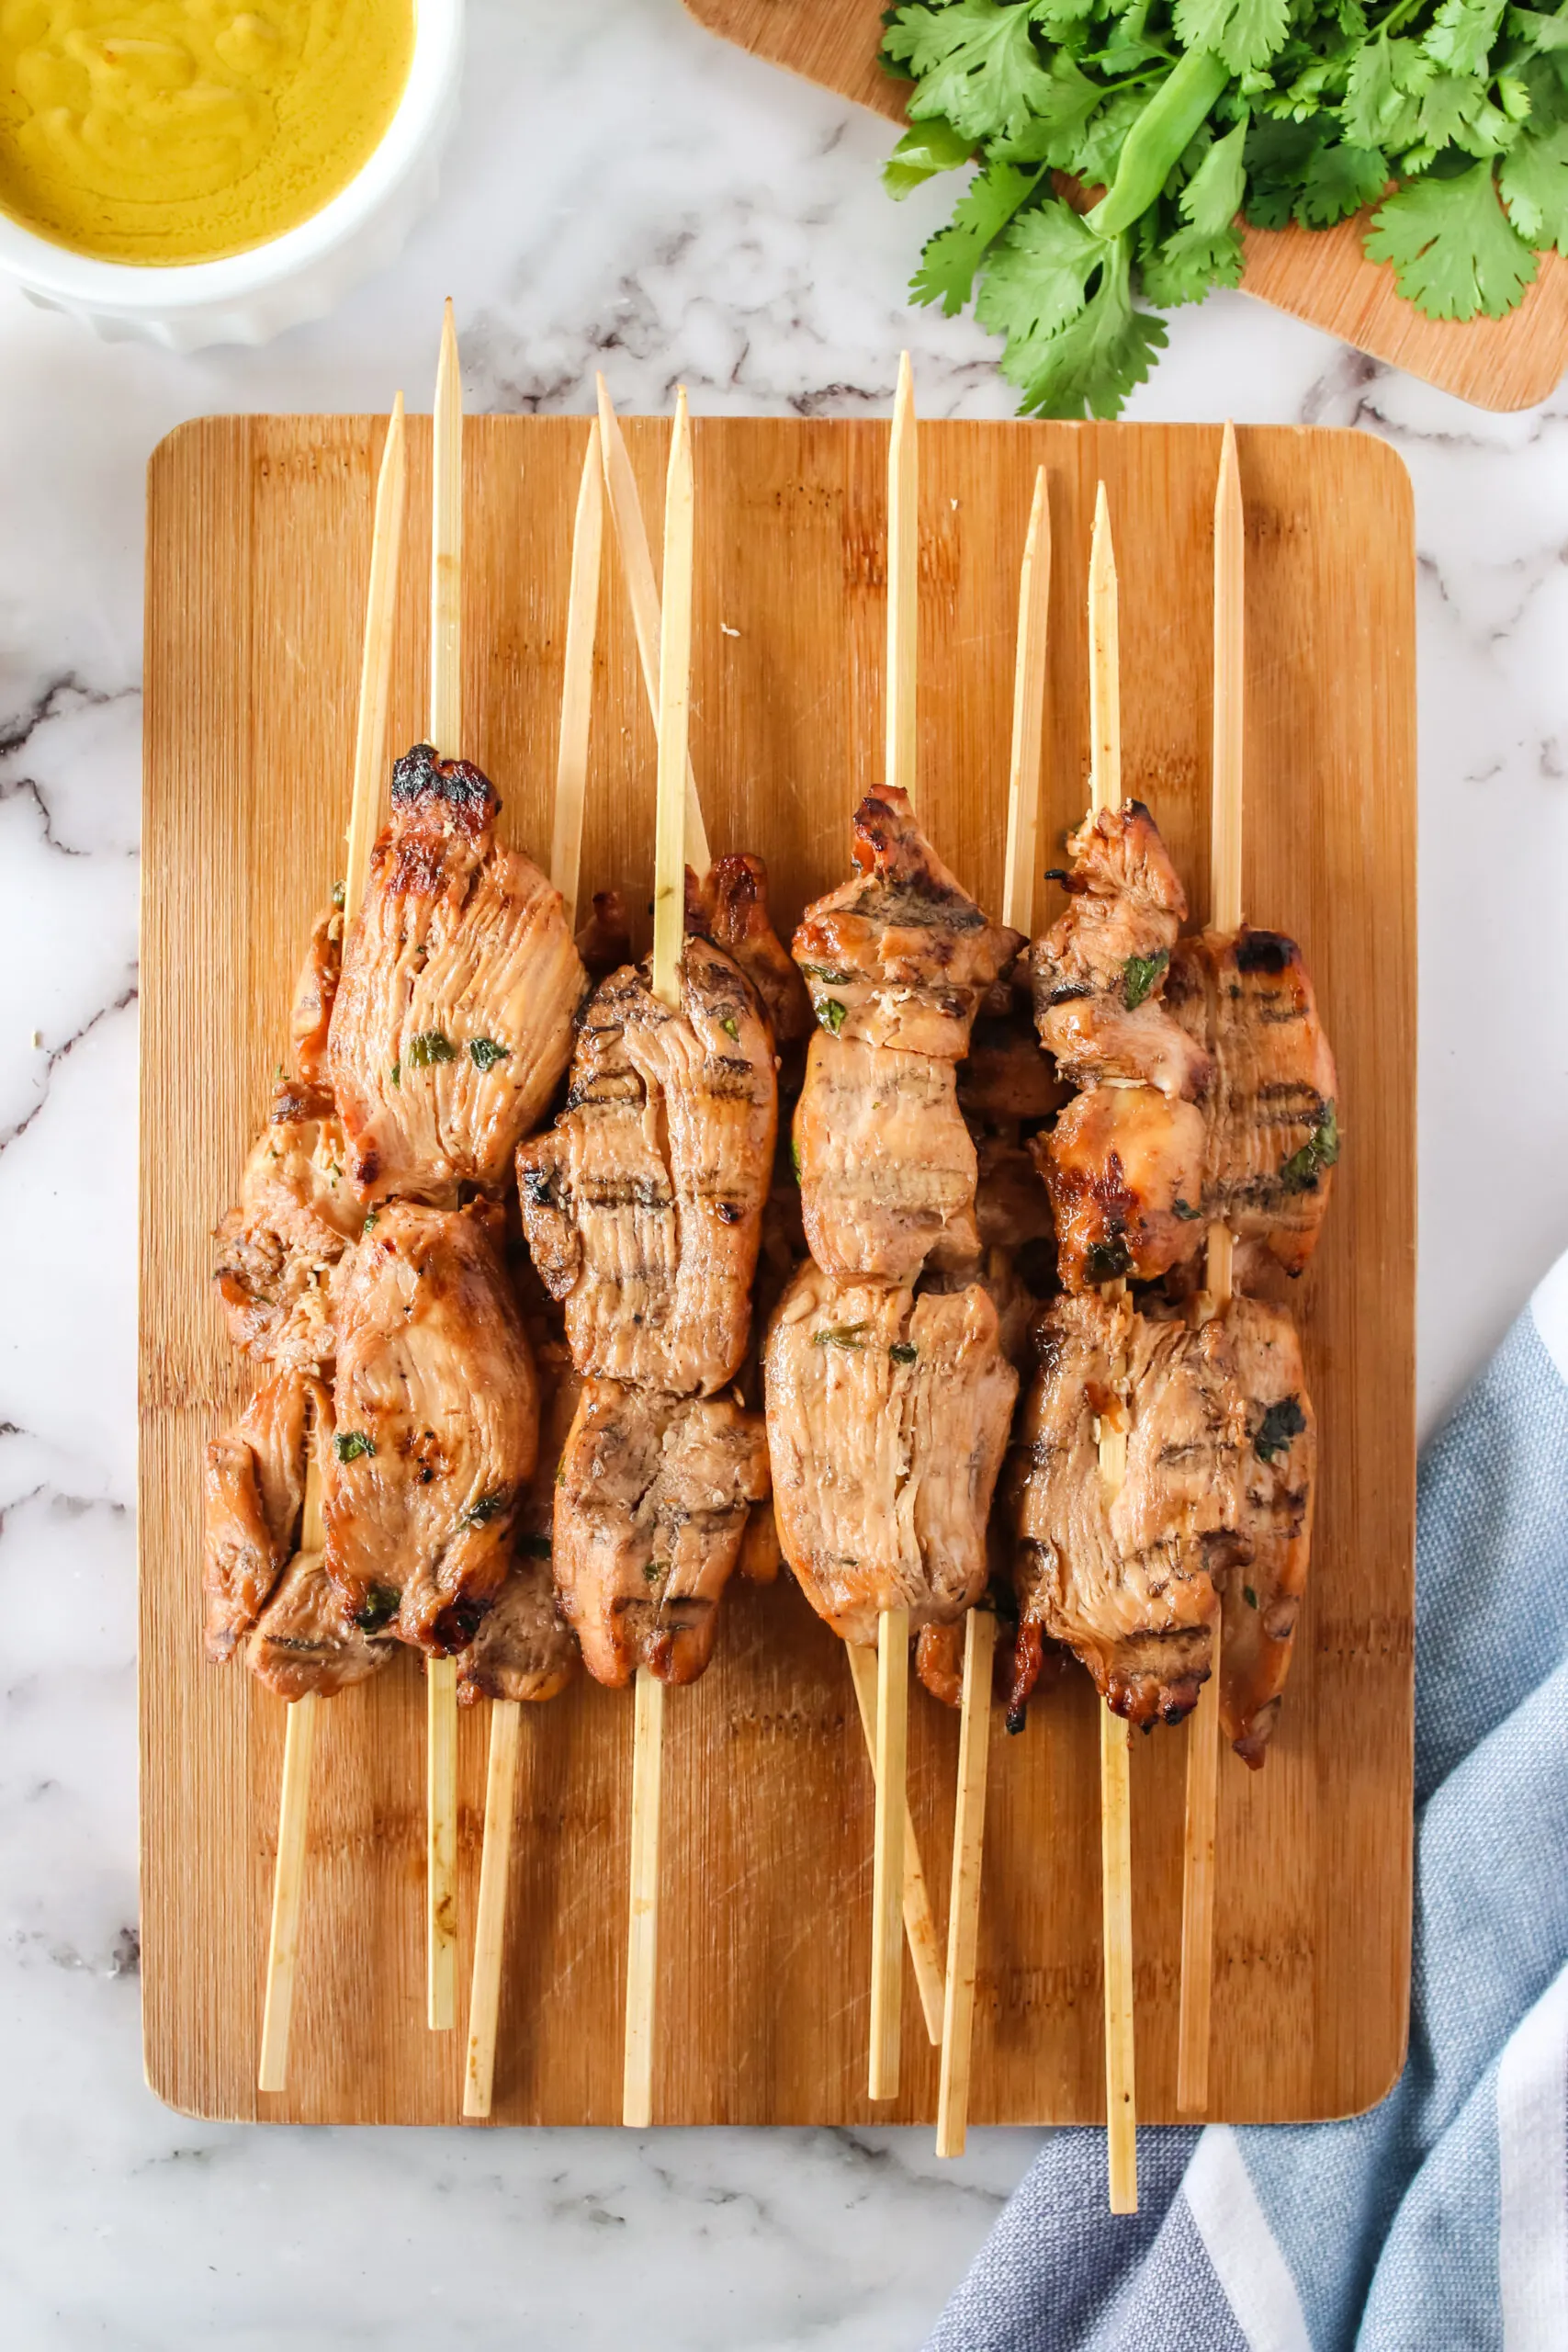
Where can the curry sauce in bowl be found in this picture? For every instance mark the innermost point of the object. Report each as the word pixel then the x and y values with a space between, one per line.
pixel 204 170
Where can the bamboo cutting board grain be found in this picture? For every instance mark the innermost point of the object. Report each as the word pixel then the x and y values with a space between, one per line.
pixel 1321 275
pixel 259 533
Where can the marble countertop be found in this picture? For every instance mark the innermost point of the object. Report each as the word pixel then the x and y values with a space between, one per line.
pixel 626 193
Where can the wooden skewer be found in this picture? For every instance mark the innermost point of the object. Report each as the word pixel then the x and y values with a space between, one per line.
pixel 446 734
pixel 1225 915
pixel 964 1912
pixel 566 854
pixel 668 940
pixel 577 684
pixel 887 1864
pixel 1116 1898
pixel 980 1627
pixel 893 1624
pixel 300 1735
pixel 642 594
pixel 919 1926
pixel 1115 1818
pixel 903 581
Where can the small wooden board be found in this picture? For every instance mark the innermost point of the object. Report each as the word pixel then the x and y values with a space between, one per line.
pixel 1321 275
pixel 258 545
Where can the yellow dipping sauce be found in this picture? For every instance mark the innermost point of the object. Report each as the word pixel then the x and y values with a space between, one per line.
pixel 179 130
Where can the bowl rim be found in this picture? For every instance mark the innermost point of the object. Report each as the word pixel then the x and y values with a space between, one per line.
pixel 134 287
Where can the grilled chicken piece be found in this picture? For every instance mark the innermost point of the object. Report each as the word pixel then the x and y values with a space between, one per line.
pixel 605 943
pixel 255 1493
pixel 901 954
pixel 303 1642
pixel 1263 1594
pixel 315 991
pixel 1272 1131
pixel 887 1419
pixel 523 1650
pixel 643 1205
pixel 651 1509
pixel 729 906
pixel 1099 971
pixel 297 1211
pixel 454 1014
pixel 1123 1166
pixel 887 1166
pixel 437 1425
pixel 938 1661
pixel 1124 1571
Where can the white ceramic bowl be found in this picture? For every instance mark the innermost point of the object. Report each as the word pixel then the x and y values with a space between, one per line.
pixel 252 296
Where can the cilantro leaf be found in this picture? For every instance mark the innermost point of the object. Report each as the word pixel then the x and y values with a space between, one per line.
pixel 1382 93
pixel 1076 347
pixel 1460 35
pixel 1453 248
pixel 1053 131
pixel 976 63
pixel 929 149
pixel 1542 33
pixel 1456 111
pixel 1246 33
pixel 1338 181
pixel 1279 156
pixel 1038 277
pixel 1184 266
pixel 1212 197
pixel 946 274
pixel 1534 181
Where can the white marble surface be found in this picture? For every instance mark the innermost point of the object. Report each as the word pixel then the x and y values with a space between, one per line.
pixel 625 193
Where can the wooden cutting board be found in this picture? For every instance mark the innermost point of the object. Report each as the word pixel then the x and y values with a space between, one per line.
pixel 258 545
pixel 1321 275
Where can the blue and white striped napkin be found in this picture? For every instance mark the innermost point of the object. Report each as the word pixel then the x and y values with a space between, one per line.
pixel 1438 2223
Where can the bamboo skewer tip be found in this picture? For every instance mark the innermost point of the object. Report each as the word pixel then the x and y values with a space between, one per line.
pixel 920 1924
pixel 887 1864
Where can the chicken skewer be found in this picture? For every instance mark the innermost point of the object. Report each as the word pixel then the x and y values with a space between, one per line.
pixel 294 1798
pixel 889 1395
pixel 892 1805
pixel 979 1624
pixel 637 570
pixel 505 1721
pixel 1115 1814
pixel 445 730
pixel 1225 915
pixel 674 793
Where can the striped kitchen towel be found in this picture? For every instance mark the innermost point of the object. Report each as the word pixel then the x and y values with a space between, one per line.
pixel 1438 2223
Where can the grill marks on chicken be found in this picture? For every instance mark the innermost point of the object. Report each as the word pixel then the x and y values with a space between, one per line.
pixel 651 1510
pixel 899 955
pixel 437 1425
pixel 1128 1570
pixel 887 1166
pixel 255 1493
pixel 899 960
pixel 303 1642
pixel 255 1583
pixel 1208 1083
pixel 1263 1595
pixel 729 906
pixel 1271 1132
pixel 523 1649
pixel 1121 1572
pixel 887 1421
pixel 643 1205
pixel 453 1020
pixel 297 1211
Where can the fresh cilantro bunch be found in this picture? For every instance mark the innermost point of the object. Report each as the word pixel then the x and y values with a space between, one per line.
pixel 1194 115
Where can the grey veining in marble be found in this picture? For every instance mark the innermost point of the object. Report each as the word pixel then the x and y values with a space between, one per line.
pixel 626 194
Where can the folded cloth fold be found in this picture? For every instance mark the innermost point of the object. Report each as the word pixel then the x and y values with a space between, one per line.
pixel 1440 2220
